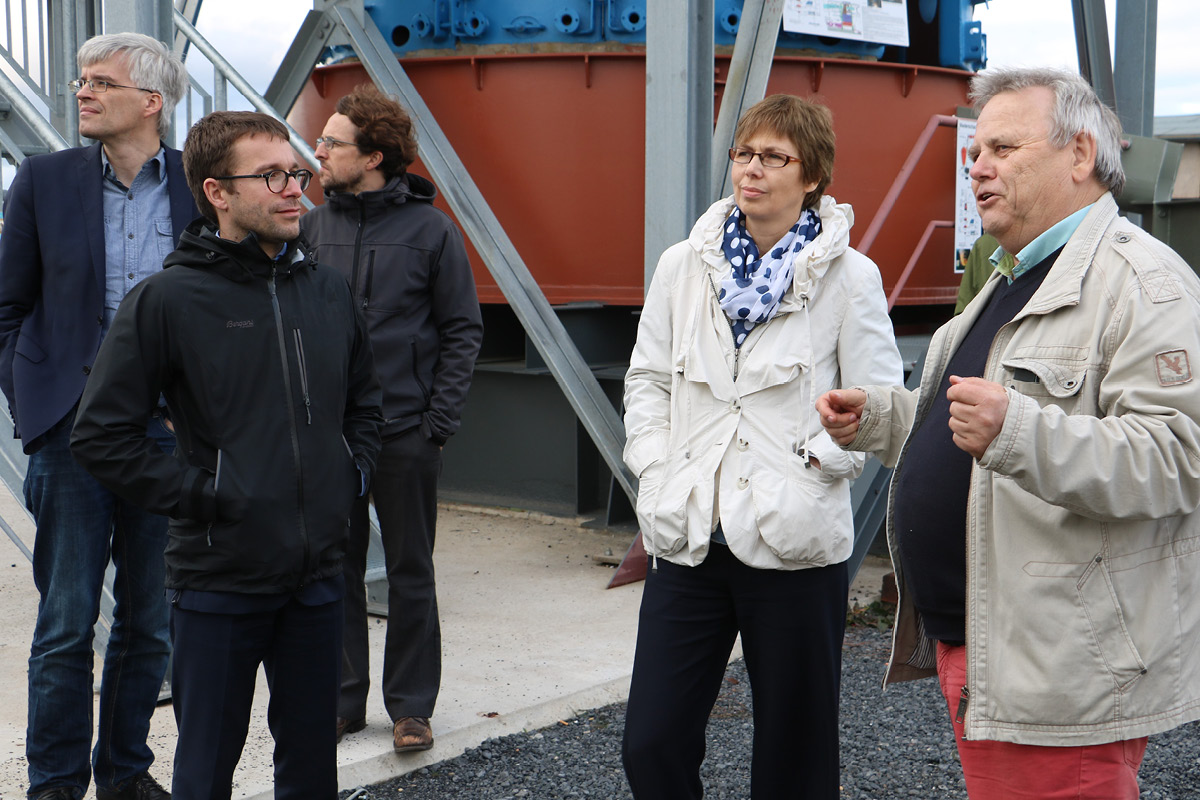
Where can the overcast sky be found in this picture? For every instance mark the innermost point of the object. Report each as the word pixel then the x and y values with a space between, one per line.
pixel 254 35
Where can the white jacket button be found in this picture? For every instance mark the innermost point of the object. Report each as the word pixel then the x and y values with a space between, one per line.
pixel 743 445
pixel 743 483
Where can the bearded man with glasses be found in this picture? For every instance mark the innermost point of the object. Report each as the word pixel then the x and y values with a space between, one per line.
pixel 84 226
pixel 266 367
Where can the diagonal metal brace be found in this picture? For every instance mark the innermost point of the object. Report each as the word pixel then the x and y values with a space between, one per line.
pixel 745 82
pixel 525 297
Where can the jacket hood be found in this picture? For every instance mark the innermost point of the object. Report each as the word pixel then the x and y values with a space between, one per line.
pixel 811 263
pixel 397 191
pixel 201 248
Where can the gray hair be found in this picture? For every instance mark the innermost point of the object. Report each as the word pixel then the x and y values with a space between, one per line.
pixel 151 66
pixel 1077 109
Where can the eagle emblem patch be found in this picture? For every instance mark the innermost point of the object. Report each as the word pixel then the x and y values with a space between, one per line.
pixel 1172 367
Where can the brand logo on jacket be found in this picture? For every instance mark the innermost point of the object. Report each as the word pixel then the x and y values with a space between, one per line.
pixel 1173 367
pixel 240 323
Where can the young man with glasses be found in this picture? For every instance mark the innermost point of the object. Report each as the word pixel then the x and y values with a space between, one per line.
pixel 84 225
pixel 266 367
pixel 407 266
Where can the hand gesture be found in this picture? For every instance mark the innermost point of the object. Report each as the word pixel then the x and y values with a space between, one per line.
pixel 840 411
pixel 977 409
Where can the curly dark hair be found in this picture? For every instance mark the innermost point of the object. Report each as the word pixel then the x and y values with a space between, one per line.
pixel 383 125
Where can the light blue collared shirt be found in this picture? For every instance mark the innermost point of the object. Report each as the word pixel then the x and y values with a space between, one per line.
pixel 1051 239
pixel 137 229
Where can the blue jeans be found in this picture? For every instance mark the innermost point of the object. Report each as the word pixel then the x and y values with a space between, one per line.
pixel 79 525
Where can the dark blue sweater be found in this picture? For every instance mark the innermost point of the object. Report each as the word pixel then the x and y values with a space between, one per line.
pixel 929 514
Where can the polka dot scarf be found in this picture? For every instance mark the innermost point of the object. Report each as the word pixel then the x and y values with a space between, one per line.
pixel 751 293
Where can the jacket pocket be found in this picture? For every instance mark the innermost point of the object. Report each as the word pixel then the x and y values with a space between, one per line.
pixel 662 507
pixel 1045 380
pixel 302 368
pixel 416 370
pixel 28 349
pixel 800 512
pixel 1098 598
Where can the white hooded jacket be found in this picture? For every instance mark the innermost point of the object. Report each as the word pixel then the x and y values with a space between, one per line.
pixel 699 411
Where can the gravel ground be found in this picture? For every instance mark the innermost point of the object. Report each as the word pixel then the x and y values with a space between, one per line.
pixel 894 745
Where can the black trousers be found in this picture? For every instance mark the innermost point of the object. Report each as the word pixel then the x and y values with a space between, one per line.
pixel 791 624
pixel 405 495
pixel 212 683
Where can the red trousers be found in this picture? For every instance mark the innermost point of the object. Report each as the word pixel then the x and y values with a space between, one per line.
pixel 1007 771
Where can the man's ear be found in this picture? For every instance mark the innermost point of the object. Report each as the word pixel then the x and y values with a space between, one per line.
pixel 152 103
pixel 1083 157
pixel 216 193
pixel 374 160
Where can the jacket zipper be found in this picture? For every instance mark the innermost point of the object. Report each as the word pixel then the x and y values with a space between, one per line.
pixel 737 351
pixel 303 368
pixel 963 698
pixel 291 411
pixel 216 486
pixel 412 343
pixel 366 298
pixel 362 216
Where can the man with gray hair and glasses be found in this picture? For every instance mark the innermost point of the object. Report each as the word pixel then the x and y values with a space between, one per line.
pixel 85 225
pixel 1043 514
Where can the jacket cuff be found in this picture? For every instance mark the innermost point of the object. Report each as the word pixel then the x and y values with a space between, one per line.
pixel 432 434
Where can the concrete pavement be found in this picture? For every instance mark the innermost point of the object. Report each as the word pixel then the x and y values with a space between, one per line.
pixel 530 636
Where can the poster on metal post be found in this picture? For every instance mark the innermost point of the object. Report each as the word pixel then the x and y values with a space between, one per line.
pixel 967 225
pixel 878 21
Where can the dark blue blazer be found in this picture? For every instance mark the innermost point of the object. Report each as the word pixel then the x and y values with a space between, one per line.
pixel 52 268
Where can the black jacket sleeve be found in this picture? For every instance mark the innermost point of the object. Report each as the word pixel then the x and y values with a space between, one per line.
pixel 363 417
pixel 460 332
pixel 109 439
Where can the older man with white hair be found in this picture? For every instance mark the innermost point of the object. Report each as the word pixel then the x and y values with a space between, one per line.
pixel 84 226
pixel 1043 516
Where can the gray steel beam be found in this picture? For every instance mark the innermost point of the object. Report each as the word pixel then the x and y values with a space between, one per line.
pixel 29 115
pixel 151 17
pixel 746 82
pixel 292 76
pixel 679 120
pixel 225 69
pixel 1091 44
pixel 190 9
pixel 64 43
pixel 525 297
pixel 1137 21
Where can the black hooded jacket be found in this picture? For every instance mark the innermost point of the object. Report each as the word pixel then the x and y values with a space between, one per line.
pixel 267 372
pixel 408 268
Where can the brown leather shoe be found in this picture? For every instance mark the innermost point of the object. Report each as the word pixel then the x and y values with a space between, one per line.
pixel 412 734
pixel 345 726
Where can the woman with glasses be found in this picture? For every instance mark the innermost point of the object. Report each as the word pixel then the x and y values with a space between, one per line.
pixel 744 501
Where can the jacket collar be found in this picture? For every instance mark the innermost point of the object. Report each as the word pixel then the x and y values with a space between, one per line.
pixel 811 263
pixel 201 248
pixel 398 191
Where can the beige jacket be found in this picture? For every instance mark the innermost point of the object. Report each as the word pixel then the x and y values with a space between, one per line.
pixel 1083 538
pixel 705 421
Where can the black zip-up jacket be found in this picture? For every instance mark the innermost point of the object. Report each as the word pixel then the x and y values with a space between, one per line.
pixel 408 268
pixel 267 372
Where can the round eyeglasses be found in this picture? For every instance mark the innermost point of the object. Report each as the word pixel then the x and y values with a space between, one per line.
pixel 741 155
pixel 276 179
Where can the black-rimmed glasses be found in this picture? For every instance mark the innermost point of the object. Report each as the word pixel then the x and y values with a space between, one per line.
pixel 100 87
pixel 276 179
pixel 331 142
pixel 742 155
